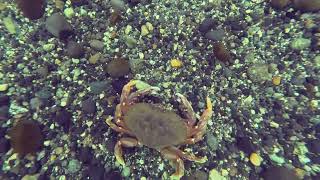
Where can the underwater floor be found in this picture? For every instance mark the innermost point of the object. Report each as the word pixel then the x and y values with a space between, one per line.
pixel 64 65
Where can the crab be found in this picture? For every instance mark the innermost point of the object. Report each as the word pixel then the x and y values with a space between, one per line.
pixel 140 123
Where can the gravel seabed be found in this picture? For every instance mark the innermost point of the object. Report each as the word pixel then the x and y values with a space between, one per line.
pixel 265 97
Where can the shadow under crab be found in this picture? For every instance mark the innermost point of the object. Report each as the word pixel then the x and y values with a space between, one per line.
pixel 155 127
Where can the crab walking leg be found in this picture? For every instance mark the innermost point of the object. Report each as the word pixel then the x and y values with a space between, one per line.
pixel 118 116
pixel 188 110
pixel 125 142
pixel 188 156
pixel 172 156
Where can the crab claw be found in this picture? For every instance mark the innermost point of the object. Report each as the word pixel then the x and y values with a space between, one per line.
pixel 188 110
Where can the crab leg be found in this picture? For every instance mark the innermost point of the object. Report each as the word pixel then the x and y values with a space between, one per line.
pixel 127 90
pixel 171 155
pixel 187 109
pixel 175 155
pixel 198 131
pixel 126 142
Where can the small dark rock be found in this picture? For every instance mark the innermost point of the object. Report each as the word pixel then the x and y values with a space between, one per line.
pixel 118 67
pixel 99 86
pixel 197 175
pixel 44 94
pixel 215 35
pixel 35 103
pixel 32 9
pixel 26 137
pixel 75 50
pixel 96 172
pixel 221 52
pixel 4 145
pixel 4 112
pixel 88 106
pixel 96 44
pixel 314 146
pixel 279 173
pixel 279 4
pixel 212 142
pixel 85 155
pixel 35 168
pixel 307 5
pixel 63 118
pixel 113 175
pixel 119 83
pixel 245 144
pixel 206 25
pixel 4 100
pixel 58 26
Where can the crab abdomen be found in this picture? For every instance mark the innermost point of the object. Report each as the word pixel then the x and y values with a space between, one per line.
pixel 155 127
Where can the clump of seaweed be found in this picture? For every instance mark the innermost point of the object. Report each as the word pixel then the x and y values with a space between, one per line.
pixel 25 137
pixel 32 9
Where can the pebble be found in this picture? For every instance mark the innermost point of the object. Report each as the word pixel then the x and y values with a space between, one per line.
pixel 206 25
pixel 279 4
pixel 4 112
pixel 26 137
pixel 176 63
pixel 118 67
pixel 58 26
pixel 259 72
pixel 48 47
pixel 88 106
pixel 30 177
pixel 4 100
pixel 144 30
pixel 69 12
pixel 255 159
pixel 314 146
pixel 3 87
pixel 307 5
pixel 215 175
pixel 74 166
pixel 98 86
pixel 43 94
pixel 215 35
pixel 300 43
pixel 35 103
pixel 128 29
pixel 130 41
pixel 75 50
pixel 212 142
pixel 10 25
pixel 125 172
pixel 96 44
pixel 63 118
pixel 4 145
pixel 276 80
pixel 245 144
pixel 94 58
pixel 221 52
pixel 118 5
pixel 279 172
